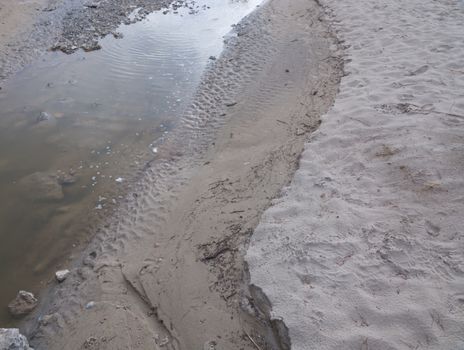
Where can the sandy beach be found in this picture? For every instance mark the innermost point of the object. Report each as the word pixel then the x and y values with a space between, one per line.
pixel 310 197
pixel 364 250
pixel 167 269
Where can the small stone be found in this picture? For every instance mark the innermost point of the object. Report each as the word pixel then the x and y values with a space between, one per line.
pixel 212 58
pixel 117 35
pixel 210 345
pixel 43 116
pixel 23 304
pixel 46 320
pixel 91 46
pixel 66 179
pixel 10 338
pixel 89 305
pixel 91 343
pixel 61 275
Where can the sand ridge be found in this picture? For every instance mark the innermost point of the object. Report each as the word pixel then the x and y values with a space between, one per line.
pixel 364 250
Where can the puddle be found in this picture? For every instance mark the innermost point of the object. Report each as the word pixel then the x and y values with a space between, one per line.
pixel 75 129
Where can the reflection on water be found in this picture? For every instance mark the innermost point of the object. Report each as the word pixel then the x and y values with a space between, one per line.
pixel 74 129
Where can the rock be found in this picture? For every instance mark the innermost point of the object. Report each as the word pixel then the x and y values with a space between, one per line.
pixel 90 305
pixel 46 320
pixel 66 179
pixel 117 35
pixel 91 46
pixel 61 275
pixel 43 116
pixel 42 186
pixel 212 58
pixel 210 345
pixel 91 343
pixel 11 339
pixel 23 304
pixel 44 120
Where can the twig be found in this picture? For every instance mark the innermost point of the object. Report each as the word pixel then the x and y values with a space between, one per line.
pixel 215 254
pixel 251 339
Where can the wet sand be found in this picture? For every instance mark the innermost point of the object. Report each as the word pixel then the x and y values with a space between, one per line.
pixel 24 33
pixel 167 269
pixel 16 18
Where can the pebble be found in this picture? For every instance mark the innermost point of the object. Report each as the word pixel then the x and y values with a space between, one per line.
pixel 43 116
pixel 61 275
pixel 91 46
pixel 90 305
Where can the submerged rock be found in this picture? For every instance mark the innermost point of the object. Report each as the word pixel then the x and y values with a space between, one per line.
pixel 44 120
pixel 23 304
pixel 11 339
pixel 43 116
pixel 66 179
pixel 117 35
pixel 42 186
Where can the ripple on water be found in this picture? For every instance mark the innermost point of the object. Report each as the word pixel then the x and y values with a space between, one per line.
pixel 107 108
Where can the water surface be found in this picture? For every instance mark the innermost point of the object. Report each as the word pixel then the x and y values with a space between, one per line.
pixel 75 129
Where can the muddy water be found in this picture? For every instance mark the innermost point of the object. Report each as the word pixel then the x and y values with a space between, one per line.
pixel 75 130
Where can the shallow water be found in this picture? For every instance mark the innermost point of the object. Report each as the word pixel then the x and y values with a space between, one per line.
pixel 105 113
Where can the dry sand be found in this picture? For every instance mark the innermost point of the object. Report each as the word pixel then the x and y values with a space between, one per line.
pixel 168 271
pixel 365 249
